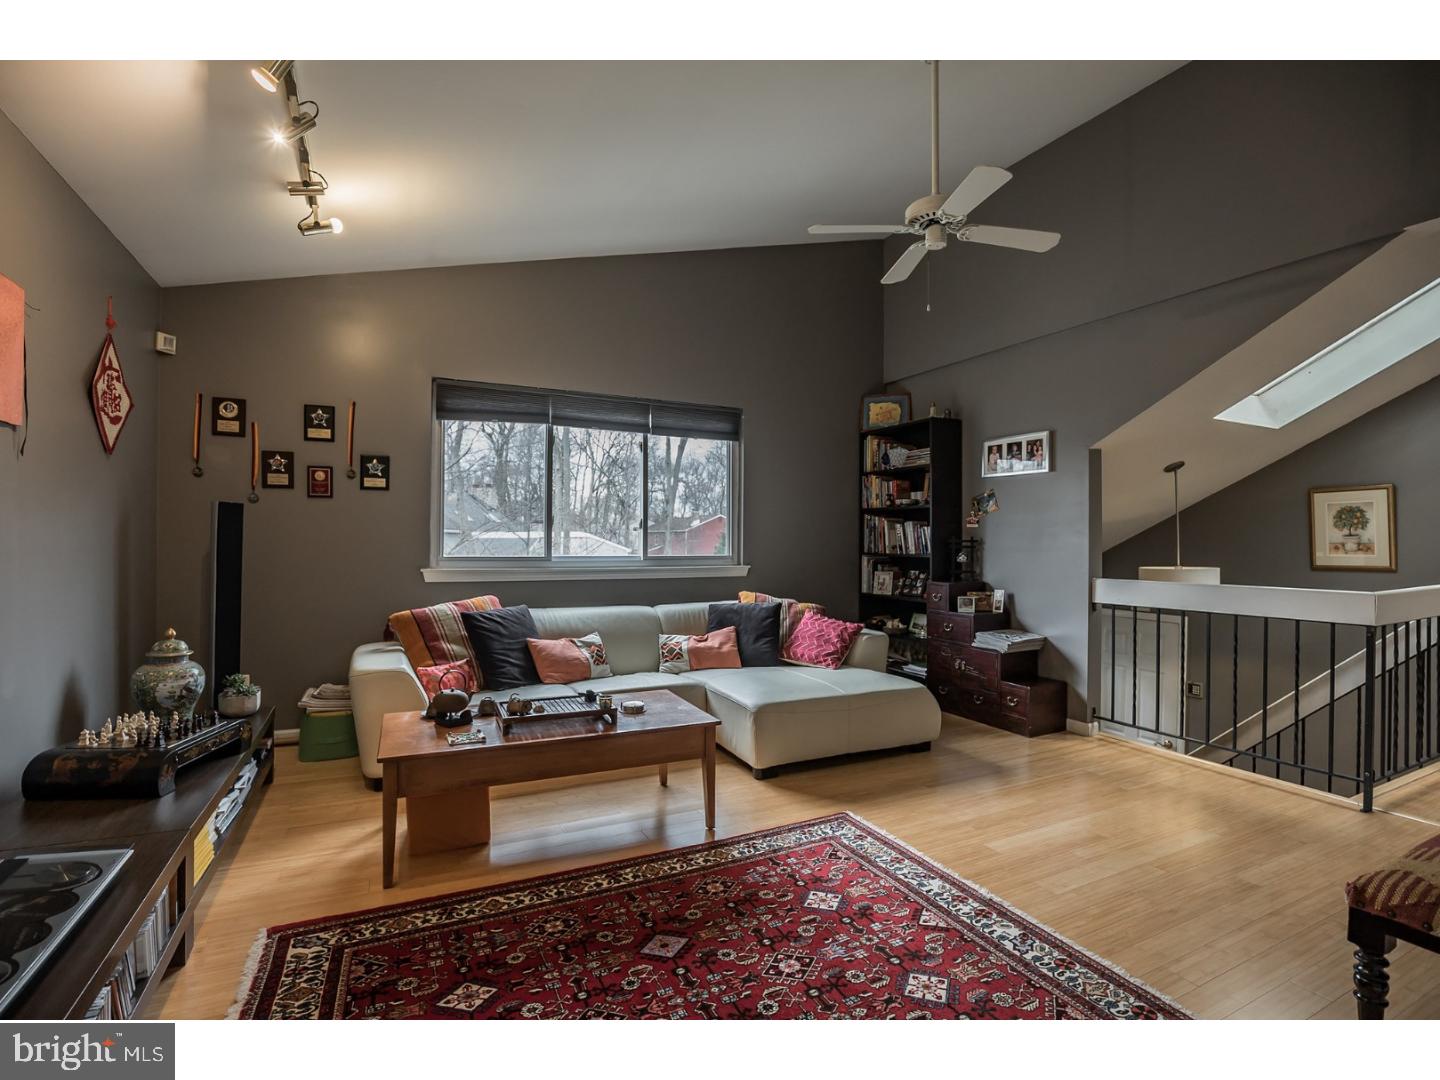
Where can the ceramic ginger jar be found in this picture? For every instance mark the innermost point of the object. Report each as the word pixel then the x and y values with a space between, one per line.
pixel 169 681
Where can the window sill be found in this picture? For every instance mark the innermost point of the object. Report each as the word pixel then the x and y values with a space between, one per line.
pixel 552 572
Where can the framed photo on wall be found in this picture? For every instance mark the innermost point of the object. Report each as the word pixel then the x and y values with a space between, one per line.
pixel 1016 455
pixel 1352 528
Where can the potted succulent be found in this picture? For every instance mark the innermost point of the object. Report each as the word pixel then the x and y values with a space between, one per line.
pixel 238 696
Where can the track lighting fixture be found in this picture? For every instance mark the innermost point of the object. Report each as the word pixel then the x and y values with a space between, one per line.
pixel 269 76
pixel 315 225
pixel 312 183
pixel 298 126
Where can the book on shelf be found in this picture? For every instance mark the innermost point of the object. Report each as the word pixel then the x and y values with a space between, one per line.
pixel 139 962
pixel 881 453
pixel 897 536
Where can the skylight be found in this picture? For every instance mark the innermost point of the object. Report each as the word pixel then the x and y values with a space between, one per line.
pixel 1369 349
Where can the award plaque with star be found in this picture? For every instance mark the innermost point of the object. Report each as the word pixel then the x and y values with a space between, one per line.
pixel 277 468
pixel 374 472
pixel 319 423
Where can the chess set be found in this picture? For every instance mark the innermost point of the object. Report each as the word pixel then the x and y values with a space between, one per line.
pixel 600 706
pixel 134 756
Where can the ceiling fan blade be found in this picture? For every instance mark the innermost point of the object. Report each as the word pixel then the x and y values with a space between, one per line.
pixel 817 230
pixel 1000 236
pixel 905 264
pixel 983 181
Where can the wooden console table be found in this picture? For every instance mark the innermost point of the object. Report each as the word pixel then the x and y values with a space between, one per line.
pixel 162 834
pixel 447 788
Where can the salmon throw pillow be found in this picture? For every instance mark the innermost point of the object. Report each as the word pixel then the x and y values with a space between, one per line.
pixel 821 641
pixel 567 660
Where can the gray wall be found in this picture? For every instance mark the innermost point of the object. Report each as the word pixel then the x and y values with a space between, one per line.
pixel 1194 213
pixel 77 528
pixel 790 334
pixel 1257 530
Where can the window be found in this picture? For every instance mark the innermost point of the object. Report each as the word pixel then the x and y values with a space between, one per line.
pixel 531 477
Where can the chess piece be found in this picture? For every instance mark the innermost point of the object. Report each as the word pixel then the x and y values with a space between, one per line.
pixel 538 708
pixel 106 733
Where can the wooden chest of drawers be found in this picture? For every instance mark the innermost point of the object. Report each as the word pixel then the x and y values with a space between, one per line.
pixel 999 689
pixel 952 627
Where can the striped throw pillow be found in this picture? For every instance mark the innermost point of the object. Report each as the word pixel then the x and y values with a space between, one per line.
pixel 435 635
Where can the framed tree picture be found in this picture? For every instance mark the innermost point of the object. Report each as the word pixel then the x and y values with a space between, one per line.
pixel 1352 528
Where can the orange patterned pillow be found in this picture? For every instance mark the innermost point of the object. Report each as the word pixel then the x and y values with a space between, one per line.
pixel 791 611
pixel 435 635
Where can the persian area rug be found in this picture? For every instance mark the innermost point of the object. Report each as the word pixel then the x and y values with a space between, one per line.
pixel 823 919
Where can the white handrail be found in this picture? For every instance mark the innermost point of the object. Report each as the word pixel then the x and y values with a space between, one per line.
pixel 1342 606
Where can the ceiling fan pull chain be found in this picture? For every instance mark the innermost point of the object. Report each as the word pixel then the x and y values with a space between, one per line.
pixel 927 286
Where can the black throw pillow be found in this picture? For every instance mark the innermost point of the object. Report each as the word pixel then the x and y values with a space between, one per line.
pixel 498 640
pixel 757 630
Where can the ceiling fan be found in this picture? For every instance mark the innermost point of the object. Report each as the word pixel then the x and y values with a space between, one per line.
pixel 936 218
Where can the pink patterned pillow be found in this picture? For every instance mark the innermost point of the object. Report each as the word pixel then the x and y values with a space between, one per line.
pixel 459 675
pixel 821 641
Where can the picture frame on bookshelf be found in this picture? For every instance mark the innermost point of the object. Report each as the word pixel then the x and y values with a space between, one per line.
pixel 997 601
pixel 884 410
pixel 1016 455
pixel 883 583
pixel 919 625
pixel 965 605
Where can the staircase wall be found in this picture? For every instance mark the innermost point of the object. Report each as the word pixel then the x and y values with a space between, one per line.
pixel 1194 214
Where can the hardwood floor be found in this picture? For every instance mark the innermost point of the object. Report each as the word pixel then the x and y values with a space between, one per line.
pixel 1225 894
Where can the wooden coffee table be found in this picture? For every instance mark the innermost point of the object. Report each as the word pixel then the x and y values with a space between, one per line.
pixel 447 788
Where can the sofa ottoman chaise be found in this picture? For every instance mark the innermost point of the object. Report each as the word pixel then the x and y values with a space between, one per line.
pixel 769 716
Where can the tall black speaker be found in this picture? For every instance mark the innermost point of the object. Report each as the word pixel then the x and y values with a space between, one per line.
pixel 227 548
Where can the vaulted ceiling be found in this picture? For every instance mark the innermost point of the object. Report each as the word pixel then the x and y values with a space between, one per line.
pixel 442 163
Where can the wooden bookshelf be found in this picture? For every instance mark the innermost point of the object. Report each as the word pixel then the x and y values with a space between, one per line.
pixel 940 513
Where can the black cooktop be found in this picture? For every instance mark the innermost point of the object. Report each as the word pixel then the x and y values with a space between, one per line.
pixel 43 896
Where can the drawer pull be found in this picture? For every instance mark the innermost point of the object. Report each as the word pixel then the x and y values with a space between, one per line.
pixel 1011 701
pixel 935 598
pixel 959 665
pixel 942 689
pixel 967 668
pixel 977 699
pixel 948 627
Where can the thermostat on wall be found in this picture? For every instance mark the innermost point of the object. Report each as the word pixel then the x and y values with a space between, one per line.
pixel 164 343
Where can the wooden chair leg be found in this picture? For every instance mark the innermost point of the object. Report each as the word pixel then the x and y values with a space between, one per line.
pixel 1372 984
pixel 1372 966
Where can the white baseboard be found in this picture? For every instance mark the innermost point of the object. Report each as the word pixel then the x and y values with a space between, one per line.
pixel 1081 727
pixel 289 736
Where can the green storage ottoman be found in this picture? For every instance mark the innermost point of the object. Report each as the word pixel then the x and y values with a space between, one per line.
pixel 328 736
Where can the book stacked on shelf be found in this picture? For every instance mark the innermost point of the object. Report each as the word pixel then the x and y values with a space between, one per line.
pixel 116 1000
pixel 897 536
pixel 202 852
pixel 1009 641
pixel 882 454
pixel 879 492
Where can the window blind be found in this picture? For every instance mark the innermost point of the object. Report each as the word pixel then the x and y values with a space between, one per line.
pixel 456 400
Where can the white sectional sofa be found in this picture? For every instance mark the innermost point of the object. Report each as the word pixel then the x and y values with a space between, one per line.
pixel 768 716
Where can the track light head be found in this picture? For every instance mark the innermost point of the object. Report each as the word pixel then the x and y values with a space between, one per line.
pixel 269 75
pixel 315 225
pixel 307 187
pixel 293 130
